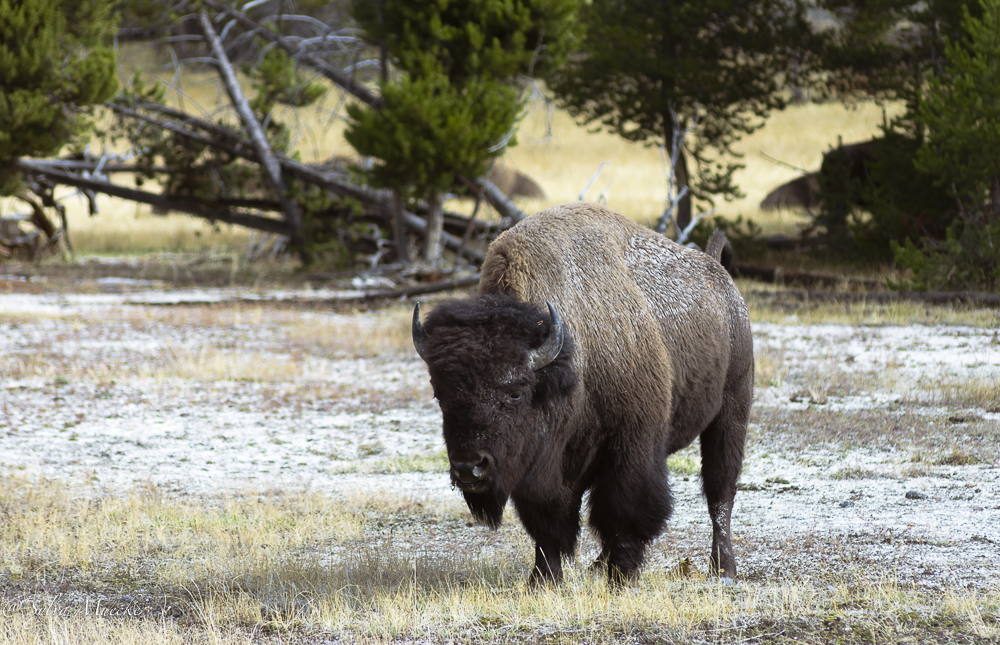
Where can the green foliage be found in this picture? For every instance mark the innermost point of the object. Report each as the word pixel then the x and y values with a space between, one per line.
pixel 277 80
pixel 429 131
pixel 327 223
pixel 885 48
pixel 867 202
pixel 484 39
pixel 961 112
pixel 54 65
pixel 726 62
pixel 841 190
pixel 450 110
pixel 902 201
pixel 968 258
pixel 146 15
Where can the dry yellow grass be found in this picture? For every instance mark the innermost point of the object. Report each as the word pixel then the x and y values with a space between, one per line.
pixel 300 564
pixel 382 333
pixel 764 309
pixel 769 367
pixel 977 392
pixel 798 136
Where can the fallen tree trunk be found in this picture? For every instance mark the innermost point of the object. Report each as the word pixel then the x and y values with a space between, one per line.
pixel 199 208
pixel 778 275
pixel 332 73
pixel 496 198
pixel 231 143
pixel 422 289
pixel 216 211
pixel 988 300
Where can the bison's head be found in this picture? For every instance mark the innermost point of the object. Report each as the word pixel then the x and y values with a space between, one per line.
pixel 498 368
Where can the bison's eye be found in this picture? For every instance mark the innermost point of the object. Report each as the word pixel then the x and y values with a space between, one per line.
pixel 515 395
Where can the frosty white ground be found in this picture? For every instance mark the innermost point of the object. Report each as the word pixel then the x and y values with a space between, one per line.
pixel 112 422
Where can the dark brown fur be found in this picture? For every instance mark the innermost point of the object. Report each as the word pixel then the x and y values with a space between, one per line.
pixel 801 192
pixel 513 182
pixel 658 353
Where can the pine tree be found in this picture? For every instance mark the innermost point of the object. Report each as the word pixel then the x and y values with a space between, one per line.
pixel 961 114
pixel 724 63
pixel 451 104
pixel 884 49
pixel 54 65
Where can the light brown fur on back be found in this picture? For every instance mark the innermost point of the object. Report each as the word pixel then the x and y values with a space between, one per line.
pixel 673 315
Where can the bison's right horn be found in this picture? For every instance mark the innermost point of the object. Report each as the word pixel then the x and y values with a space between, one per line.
pixel 419 335
pixel 547 353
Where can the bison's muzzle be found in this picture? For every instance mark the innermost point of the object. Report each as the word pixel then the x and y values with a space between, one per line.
pixel 472 475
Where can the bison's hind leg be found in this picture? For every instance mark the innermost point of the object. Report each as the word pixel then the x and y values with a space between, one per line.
pixel 629 507
pixel 722 445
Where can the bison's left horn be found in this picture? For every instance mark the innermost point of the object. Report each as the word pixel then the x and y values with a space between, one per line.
pixel 547 353
pixel 419 335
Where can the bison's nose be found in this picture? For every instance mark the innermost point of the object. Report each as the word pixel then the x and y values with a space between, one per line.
pixel 470 474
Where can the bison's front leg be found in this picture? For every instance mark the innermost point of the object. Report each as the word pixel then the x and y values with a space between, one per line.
pixel 554 526
pixel 627 513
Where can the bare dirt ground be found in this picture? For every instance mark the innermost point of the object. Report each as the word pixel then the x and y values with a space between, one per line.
pixel 872 450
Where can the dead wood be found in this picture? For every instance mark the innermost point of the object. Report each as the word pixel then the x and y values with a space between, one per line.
pixel 265 155
pixel 38 217
pixel 399 227
pixel 205 209
pixel 251 144
pixel 497 199
pixel 338 77
pixel 971 298
pixel 779 275
pixel 219 143
pixel 454 243
pixel 231 143
pixel 493 195
pixel 435 287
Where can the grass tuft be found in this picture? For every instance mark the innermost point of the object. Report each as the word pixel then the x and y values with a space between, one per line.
pixel 769 367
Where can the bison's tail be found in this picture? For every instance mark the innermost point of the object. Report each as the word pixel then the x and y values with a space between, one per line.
pixel 720 250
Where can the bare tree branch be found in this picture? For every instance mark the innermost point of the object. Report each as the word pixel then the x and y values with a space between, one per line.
pixel 434 287
pixel 265 155
pixel 342 80
pixel 498 200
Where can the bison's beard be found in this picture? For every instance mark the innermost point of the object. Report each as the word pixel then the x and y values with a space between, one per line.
pixel 487 506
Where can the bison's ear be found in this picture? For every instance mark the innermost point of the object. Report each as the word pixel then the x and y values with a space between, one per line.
pixel 557 379
pixel 419 335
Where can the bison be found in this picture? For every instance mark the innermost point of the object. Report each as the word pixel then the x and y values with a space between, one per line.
pixel 595 349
